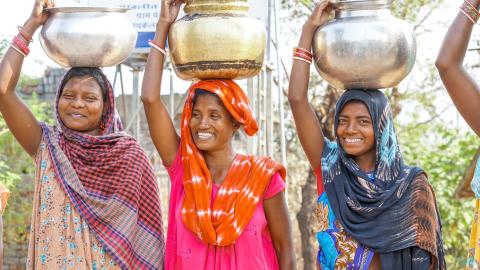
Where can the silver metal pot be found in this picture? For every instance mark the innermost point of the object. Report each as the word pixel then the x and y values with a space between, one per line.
pixel 88 36
pixel 364 46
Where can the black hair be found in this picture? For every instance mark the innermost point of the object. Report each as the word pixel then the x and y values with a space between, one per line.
pixel 201 92
pixel 93 72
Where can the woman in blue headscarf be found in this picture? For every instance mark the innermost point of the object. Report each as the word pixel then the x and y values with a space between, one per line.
pixel 373 211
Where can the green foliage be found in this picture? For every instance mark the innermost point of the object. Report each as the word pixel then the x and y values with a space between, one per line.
pixel 16 172
pixel 444 153
pixel 3 46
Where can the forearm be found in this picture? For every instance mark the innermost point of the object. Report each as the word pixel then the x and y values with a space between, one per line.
pixel 152 79
pixel 12 62
pixel 300 74
pixel 286 259
pixel 456 41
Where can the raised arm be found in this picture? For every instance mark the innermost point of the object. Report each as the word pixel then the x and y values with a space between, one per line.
pixel 161 126
pixel 18 117
pixel 463 90
pixel 308 127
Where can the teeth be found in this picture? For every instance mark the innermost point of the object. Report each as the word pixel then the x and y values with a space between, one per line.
pixel 204 135
pixel 348 140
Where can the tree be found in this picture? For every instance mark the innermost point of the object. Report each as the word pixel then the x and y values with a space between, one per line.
pixel 444 153
pixel 16 171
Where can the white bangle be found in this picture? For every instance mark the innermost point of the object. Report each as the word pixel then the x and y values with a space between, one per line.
pixel 301 59
pixel 18 50
pixel 157 47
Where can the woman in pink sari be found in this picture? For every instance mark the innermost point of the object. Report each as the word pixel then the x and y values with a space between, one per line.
pixel 227 210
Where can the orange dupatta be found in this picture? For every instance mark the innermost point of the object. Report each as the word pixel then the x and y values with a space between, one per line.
pixel 244 184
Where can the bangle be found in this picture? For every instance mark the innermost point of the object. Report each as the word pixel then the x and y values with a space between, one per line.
pixel 21 45
pixel 467 12
pixel 302 50
pixel 302 55
pixel 473 7
pixel 23 34
pixel 156 46
pixel 17 49
pixel 302 59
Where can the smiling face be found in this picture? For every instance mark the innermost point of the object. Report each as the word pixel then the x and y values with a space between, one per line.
pixel 355 131
pixel 211 125
pixel 81 104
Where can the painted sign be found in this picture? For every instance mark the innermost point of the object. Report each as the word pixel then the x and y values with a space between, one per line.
pixel 143 14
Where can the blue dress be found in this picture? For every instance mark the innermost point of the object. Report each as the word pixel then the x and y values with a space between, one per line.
pixel 337 250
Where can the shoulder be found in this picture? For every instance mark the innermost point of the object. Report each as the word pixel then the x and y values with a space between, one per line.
pixel 422 187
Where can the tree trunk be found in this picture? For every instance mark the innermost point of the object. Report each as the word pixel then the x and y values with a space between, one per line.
pixel 305 218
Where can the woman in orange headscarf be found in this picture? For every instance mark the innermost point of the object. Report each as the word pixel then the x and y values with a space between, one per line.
pixel 227 211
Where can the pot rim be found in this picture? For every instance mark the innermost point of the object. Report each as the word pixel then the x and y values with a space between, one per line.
pixel 354 4
pixel 85 9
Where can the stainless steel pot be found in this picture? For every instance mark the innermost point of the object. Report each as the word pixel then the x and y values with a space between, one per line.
pixel 217 40
pixel 364 46
pixel 88 36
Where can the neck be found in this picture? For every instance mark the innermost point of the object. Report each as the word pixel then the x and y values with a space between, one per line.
pixel 366 164
pixel 219 160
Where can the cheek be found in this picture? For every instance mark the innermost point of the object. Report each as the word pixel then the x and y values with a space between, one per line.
pixel 97 108
pixel 61 106
pixel 192 123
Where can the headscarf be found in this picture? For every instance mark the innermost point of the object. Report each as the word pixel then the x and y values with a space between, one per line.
pixel 111 183
pixel 389 214
pixel 244 184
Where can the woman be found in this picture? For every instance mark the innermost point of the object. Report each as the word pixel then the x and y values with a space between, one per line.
pixel 96 203
pixel 465 94
pixel 373 211
pixel 227 210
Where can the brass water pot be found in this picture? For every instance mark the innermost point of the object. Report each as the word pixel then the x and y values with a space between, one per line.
pixel 215 39
pixel 364 46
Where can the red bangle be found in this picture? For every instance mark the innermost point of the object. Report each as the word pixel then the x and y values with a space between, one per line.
pixel 303 55
pixel 302 50
pixel 23 34
pixel 21 45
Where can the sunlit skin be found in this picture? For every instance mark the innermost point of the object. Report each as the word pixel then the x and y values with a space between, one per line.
pixel 211 125
pixel 356 135
pixel 81 105
pixel 212 129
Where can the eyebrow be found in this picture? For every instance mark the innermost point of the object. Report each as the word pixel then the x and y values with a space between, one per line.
pixel 357 117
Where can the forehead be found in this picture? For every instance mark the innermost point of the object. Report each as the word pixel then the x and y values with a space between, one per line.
pixel 355 108
pixel 209 102
pixel 84 83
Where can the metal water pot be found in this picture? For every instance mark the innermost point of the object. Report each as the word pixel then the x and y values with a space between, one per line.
pixel 88 36
pixel 215 39
pixel 365 46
